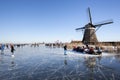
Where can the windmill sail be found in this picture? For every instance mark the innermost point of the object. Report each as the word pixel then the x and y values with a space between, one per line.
pixel 80 28
pixel 90 15
pixel 104 23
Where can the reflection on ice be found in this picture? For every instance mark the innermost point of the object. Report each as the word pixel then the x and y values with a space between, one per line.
pixel 12 64
pixel 41 63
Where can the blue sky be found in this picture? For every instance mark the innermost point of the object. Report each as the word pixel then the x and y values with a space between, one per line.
pixel 50 20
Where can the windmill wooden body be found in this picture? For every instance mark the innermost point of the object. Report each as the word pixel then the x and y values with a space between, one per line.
pixel 89 36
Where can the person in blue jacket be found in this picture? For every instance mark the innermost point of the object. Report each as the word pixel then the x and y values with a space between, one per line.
pixel 2 48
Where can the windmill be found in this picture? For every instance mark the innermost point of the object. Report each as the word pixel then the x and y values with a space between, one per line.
pixel 89 36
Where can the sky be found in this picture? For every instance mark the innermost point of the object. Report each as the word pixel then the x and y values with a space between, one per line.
pixel 28 21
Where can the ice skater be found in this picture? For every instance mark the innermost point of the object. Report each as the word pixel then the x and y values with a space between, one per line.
pixel 2 48
pixel 65 49
pixel 12 49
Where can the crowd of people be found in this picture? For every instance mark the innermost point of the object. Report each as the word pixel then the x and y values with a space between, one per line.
pixel 85 49
pixel 6 46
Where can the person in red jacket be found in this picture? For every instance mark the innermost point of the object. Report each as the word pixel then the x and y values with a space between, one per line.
pixel 91 50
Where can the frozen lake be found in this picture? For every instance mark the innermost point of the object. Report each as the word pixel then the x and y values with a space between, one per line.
pixel 41 63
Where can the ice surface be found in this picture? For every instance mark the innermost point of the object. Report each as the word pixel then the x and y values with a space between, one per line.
pixel 43 63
